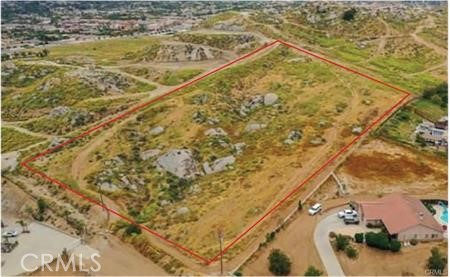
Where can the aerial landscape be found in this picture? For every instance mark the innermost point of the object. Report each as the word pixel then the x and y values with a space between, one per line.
pixel 224 138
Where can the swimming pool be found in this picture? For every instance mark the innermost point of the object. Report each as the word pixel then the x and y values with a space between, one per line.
pixel 444 214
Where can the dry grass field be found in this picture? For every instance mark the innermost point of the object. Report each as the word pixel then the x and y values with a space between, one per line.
pixel 317 109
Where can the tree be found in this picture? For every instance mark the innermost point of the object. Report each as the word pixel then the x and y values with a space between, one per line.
pixel 436 262
pixel 341 242
pixel 132 229
pixel 24 226
pixel 349 15
pixel 42 205
pixel 312 271
pixel 279 263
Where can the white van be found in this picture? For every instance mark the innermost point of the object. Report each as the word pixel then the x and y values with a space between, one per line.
pixel 315 209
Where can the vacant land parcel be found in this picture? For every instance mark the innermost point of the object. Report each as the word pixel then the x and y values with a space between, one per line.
pixel 222 151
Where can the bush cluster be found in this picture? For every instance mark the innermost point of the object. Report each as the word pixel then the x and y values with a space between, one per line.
pixel 381 241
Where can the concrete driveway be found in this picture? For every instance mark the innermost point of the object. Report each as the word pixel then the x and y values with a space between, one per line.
pixel 321 239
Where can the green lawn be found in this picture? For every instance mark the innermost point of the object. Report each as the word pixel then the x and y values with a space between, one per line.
pixel 429 109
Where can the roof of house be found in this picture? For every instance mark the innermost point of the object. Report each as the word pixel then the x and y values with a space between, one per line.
pixel 399 212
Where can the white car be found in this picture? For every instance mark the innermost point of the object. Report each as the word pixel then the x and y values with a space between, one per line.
pixel 315 209
pixel 10 234
pixel 347 213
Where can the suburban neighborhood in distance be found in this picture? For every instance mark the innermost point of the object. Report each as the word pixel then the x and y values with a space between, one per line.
pixel 224 138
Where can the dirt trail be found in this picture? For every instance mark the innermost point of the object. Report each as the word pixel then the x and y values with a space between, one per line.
pixel 25 131
pixel 428 22
pixel 383 38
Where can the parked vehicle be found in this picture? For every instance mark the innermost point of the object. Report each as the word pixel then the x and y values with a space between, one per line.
pixel 315 209
pixel 350 219
pixel 347 212
pixel 10 234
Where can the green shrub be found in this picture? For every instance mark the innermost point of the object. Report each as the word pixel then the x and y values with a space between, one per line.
pixel 395 246
pixel 351 252
pixel 436 262
pixel 414 242
pixel 377 240
pixel 312 271
pixel 279 263
pixel 359 237
pixel 341 242
pixel 270 236
pixel 132 229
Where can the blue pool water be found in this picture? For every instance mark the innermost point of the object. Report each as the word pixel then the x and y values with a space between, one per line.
pixel 444 215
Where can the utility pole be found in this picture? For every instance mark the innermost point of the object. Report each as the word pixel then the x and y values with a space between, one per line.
pixel 100 191
pixel 220 235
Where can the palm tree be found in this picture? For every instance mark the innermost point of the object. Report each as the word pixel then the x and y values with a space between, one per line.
pixel 24 226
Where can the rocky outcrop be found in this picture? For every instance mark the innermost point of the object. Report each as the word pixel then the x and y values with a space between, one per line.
pixel 213 132
pixel 257 101
pixel 293 136
pixel 239 147
pixel 59 111
pixel 219 165
pixel 180 163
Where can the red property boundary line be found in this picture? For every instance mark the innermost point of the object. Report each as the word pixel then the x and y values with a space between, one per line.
pixel 26 163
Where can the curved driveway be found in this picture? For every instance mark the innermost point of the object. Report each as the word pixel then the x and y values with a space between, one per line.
pixel 321 240
pixel 323 245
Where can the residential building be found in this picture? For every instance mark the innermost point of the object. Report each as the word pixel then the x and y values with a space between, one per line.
pixel 435 133
pixel 404 217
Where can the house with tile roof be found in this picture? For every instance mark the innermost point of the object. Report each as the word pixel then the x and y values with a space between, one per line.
pixel 404 217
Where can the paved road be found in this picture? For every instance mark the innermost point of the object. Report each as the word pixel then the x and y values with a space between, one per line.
pixel 323 245
pixel 41 240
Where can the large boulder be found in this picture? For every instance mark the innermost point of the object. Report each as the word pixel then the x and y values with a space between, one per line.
pixel 270 99
pixel 215 132
pixel 108 187
pixel 239 147
pixel 255 102
pixel 252 127
pixel 219 165
pixel 59 111
pixel 180 163
pixel 293 136
pixel 149 154
pixel 156 131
